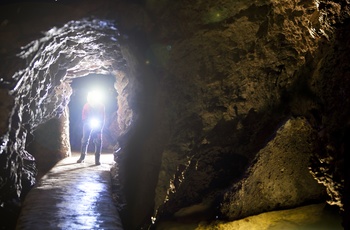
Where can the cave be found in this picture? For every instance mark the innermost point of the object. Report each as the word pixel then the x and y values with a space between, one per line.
pixel 218 111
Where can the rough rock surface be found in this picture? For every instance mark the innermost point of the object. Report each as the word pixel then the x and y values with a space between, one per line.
pixel 50 143
pixel 279 178
pixel 39 92
pixel 206 87
pixel 315 216
pixel 250 69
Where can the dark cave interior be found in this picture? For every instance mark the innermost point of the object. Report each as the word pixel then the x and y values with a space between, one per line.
pixel 209 106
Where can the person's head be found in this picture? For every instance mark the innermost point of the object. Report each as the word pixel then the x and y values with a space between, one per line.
pixel 94 98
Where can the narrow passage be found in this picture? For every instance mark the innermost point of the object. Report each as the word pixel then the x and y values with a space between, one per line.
pixel 72 196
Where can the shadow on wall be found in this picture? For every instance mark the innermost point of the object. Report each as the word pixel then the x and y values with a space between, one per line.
pixel 49 144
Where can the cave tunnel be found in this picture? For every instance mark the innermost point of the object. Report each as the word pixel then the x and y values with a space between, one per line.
pixel 215 113
pixel 60 69
pixel 52 135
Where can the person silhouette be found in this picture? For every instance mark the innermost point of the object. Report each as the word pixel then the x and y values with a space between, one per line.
pixel 93 117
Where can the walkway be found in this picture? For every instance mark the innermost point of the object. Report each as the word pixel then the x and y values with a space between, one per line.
pixel 72 196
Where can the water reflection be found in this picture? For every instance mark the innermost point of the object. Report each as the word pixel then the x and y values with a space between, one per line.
pixel 79 211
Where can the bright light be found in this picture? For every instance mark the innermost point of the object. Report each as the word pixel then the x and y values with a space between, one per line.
pixel 95 96
pixel 94 123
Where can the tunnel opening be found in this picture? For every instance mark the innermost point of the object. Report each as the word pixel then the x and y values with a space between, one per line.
pixel 90 67
pixel 59 136
pixel 81 86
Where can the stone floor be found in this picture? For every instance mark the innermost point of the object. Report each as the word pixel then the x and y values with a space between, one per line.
pixel 75 196
pixel 72 196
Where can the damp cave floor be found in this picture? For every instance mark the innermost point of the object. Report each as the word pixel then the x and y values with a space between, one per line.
pixel 72 196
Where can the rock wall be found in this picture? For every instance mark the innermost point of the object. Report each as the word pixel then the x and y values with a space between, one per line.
pixel 221 90
pixel 279 178
pixel 50 143
pixel 35 90
pixel 231 74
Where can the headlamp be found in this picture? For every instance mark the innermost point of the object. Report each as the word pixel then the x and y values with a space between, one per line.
pixel 94 123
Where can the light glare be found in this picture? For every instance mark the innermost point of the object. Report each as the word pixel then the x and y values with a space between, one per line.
pixel 95 96
pixel 94 123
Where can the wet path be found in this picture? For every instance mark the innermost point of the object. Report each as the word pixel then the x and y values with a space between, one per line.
pixel 72 196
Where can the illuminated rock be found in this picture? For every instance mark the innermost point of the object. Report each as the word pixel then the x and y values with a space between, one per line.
pixel 202 91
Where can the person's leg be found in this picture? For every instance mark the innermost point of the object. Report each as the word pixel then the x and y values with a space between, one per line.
pixel 98 147
pixel 84 143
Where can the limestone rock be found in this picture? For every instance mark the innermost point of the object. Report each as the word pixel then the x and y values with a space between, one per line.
pixel 280 176
pixel 202 88
pixel 316 216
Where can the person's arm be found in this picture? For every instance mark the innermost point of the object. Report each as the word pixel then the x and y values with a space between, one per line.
pixel 85 113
